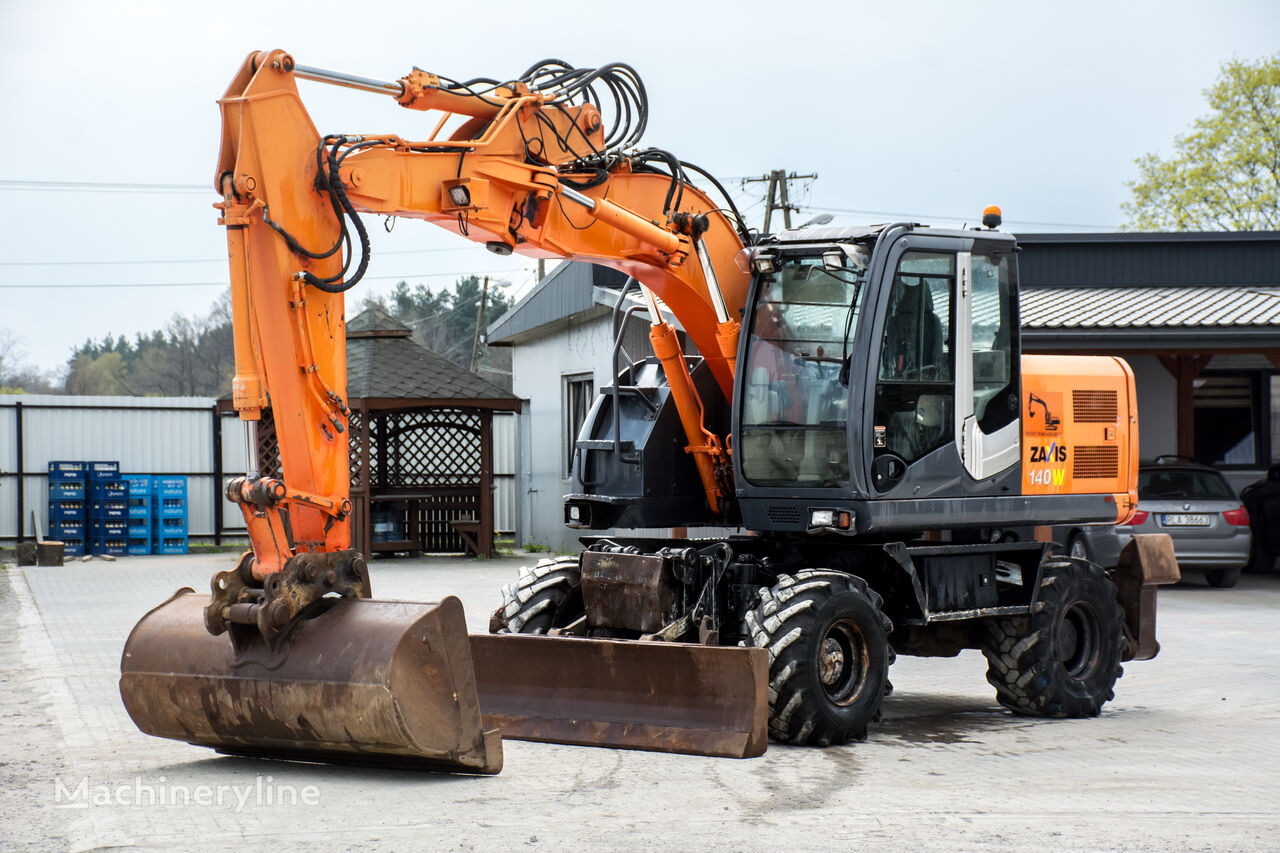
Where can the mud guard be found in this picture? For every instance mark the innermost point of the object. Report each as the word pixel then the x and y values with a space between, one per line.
pixel 664 697
pixel 384 683
pixel 1145 563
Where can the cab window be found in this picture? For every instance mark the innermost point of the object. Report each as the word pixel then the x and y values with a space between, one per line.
pixel 915 393
pixel 794 407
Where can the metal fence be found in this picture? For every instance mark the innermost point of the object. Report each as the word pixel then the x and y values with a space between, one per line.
pixel 156 435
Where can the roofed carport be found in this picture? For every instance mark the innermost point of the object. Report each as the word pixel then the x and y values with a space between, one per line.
pixel 1183 298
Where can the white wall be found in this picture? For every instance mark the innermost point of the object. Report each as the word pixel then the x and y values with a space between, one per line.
pixel 1157 407
pixel 538 371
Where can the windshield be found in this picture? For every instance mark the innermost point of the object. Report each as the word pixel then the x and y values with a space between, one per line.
pixel 1165 484
pixel 794 404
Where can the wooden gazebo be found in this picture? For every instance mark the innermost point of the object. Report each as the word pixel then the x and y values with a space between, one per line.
pixel 421 444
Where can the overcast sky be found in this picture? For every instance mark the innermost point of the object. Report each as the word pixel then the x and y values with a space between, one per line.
pixel 924 110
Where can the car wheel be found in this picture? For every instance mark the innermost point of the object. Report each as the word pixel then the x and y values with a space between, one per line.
pixel 1078 549
pixel 1222 578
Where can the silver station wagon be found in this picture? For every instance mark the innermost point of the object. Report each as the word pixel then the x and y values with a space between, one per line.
pixel 1192 503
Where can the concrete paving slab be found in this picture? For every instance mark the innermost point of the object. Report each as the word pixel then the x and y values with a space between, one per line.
pixel 1187 757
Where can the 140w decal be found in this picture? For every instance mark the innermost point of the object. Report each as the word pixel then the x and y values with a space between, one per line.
pixel 1053 455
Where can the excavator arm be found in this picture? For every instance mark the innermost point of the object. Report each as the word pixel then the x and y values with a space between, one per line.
pixel 530 165
pixel 519 167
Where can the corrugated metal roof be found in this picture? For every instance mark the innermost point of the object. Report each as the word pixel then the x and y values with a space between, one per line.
pixel 1150 307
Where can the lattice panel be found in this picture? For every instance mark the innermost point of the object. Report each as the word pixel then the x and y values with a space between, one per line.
pixel 268 447
pixel 354 433
pixel 431 448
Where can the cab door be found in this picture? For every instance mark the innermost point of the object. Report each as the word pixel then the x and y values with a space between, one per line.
pixel 913 413
pixel 987 429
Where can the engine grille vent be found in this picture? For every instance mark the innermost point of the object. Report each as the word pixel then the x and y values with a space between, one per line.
pixel 1095 407
pixel 782 514
pixel 1096 462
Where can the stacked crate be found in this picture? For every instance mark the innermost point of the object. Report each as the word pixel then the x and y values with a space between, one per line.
pixel 169 514
pixel 138 488
pixel 67 498
pixel 108 510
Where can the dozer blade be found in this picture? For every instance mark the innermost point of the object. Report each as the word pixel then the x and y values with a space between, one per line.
pixel 666 697
pixel 386 683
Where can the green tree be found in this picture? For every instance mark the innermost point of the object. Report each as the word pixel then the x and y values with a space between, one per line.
pixel 1225 174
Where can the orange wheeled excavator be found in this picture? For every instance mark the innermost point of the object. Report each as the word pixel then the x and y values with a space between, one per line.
pixel 858 403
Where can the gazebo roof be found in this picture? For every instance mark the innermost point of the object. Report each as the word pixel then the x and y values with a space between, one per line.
pixel 386 368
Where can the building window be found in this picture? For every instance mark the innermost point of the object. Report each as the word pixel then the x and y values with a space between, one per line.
pixel 1227 422
pixel 578 392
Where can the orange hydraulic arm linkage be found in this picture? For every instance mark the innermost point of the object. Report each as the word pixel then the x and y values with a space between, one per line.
pixel 525 166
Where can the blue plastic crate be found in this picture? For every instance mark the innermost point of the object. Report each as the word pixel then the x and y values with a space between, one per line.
pixel 170 527
pixel 171 545
pixel 139 507
pixel 103 470
pixel 64 490
pixel 66 510
pixel 169 507
pixel 138 485
pixel 139 546
pixel 109 509
pixel 169 486
pixel 64 530
pixel 108 490
pixel 103 528
pixel 139 526
pixel 114 547
pixel 67 471
pixel 73 547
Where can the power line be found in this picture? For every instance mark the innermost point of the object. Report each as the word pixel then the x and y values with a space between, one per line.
pixel 227 284
pixel 221 260
pixel 105 187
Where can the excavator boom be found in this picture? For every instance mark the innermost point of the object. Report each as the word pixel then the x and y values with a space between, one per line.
pixel 310 666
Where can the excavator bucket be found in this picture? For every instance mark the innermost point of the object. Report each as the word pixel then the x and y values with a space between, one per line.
pixel 665 697
pixel 357 681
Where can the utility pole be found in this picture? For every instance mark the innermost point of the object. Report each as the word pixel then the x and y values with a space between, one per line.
pixel 778 197
pixel 475 343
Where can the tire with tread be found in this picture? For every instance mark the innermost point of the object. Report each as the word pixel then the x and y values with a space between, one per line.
pixel 545 596
pixel 829 656
pixel 1062 660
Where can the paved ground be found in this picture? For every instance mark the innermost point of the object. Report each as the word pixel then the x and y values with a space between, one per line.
pixel 1186 758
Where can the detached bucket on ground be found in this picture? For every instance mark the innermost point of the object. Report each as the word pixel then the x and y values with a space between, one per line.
pixel 359 681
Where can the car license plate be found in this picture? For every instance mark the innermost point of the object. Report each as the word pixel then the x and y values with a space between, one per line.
pixel 1184 520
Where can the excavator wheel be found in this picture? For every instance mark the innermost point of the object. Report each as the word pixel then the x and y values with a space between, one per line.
pixel 545 596
pixel 829 656
pixel 1062 660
